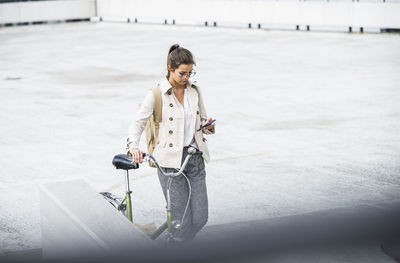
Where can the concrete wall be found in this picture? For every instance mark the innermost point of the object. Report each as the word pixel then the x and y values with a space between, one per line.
pixel 76 221
pixel 46 11
pixel 241 12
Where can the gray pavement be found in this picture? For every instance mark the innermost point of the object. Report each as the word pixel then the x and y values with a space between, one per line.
pixel 305 121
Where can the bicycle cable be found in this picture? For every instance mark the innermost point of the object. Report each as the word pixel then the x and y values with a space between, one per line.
pixel 189 196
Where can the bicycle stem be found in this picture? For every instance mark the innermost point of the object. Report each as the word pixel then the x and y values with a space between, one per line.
pixel 168 195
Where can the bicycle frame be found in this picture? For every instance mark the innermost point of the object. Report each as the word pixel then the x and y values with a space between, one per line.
pixel 126 203
pixel 168 224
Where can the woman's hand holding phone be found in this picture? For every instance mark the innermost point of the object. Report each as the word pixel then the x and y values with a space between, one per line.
pixel 208 125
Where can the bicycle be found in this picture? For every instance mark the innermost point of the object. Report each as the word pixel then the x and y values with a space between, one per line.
pixel 122 161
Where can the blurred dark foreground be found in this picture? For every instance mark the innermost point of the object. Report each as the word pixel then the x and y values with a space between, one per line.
pixel 367 233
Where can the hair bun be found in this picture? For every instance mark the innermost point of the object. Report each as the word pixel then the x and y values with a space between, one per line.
pixel 181 56
pixel 173 47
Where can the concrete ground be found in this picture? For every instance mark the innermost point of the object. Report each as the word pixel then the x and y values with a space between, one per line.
pixel 305 121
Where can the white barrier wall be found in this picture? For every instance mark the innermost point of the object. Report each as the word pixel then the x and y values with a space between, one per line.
pixel 46 11
pixel 321 13
pixel 224 12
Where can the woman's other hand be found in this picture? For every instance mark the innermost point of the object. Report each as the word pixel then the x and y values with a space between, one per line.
pixel 137 155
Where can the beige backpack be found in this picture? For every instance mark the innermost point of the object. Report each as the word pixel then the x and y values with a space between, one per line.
pixel 153 124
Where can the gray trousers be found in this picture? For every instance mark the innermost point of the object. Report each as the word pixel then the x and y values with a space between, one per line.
pixel 197 213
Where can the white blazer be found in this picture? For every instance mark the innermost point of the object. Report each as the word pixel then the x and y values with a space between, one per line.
pixel 168 151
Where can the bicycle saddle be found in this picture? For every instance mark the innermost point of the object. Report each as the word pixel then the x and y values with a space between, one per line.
pixel 122 161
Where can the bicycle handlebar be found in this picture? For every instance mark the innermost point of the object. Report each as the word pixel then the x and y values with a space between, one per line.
pixel 191 152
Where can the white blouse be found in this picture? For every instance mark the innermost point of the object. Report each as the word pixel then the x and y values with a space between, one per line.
pixel 189 127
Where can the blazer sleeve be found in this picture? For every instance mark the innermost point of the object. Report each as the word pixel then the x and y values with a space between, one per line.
pixel 139 122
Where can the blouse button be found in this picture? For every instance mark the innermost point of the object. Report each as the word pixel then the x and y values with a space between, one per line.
pixel 171 105
pixel 169 92
pixel 198 112
pixel 204 139
pixel 171 132
pixel 171 119
pixel 170 145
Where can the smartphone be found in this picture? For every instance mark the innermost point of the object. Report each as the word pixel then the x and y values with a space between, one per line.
pixel 206 124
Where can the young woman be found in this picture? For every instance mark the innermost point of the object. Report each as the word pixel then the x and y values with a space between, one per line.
pixel 182 114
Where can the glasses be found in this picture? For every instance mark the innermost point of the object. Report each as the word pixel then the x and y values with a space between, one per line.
pixel 188 75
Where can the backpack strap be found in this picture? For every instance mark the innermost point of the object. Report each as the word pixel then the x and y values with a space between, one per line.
pixel 157 107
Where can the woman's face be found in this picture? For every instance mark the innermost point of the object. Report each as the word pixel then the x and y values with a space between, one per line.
pixel 182 74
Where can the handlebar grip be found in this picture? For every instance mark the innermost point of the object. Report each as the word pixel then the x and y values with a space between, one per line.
pixel 130 156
